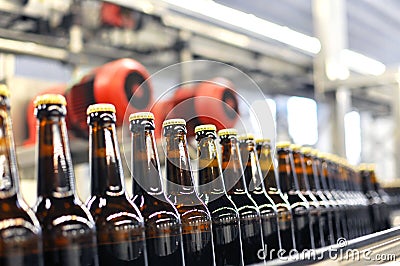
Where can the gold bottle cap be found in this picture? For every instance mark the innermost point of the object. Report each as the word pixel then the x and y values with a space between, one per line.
pixel 247 136
pixel 141 115
pixel 363 167
pixel 176 121
pixel 262 140
pixel 283 144
pixel 314 152
pixel 207 127
pixel 227 131
pixel 295 147
pixel 323 155
pixel 50 99
pixel 100 107
pixel 306 150
pixel 4 91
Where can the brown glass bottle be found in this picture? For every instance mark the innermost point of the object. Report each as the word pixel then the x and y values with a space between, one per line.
pixel 316 220
pixel 321 168
pixel 250 220
pixel 271 184
pixel 163 224
pixel 21 235
pixel 375 202
pixel 211 189
pixel 327 210
pixel 386 201
pixel 290 189
pixel 120 227
pixel 196 219
pixel 255 187
pixel 69 232
pixel 332 179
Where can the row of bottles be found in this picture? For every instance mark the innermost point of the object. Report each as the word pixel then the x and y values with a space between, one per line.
pixel 242 211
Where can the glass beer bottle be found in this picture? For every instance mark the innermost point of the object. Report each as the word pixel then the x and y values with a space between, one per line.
pixel 196 219
pixel 162 221
pixel 316 219
pixel 211 189
pixel 69 232
pixel 290 189
pixel 327 210
pixel 255 187
pixel 271 184
pixel 20 241
pixel 250 220
pixel 120 228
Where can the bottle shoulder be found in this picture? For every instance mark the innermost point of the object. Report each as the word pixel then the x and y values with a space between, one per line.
pixel 155 209
pixel 61 212
pixel 16 216
pixel 109 210
pixel 222 208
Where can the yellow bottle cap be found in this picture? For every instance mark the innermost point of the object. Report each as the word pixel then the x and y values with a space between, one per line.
pixel 227 131
pixel 295 147
pixel 176 121
pixel 247 136
pixel 323 155
pixel 306 150
pixel 314 152
pixel 141 115
pixel 283 144
pixel 262 140
pixel 207 127
pixel 362 167
pixel 50 99
pixel 4 91
pixel 100 107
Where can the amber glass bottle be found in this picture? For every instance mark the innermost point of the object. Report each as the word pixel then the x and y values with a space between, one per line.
pixel 163 224
pixel 69 232
pixel 224 214
pixel 386 201
pixel 256 189
pixel 250 221
pixel 332 179
pixel 196 219
pixel 290 189
pixel 20 241
pixel 316 219
pixel 376 211
pixel 120 228
pixel 327 210
pixel 271 184
pixel 320 165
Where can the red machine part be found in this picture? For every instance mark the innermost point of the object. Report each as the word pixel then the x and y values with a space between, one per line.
pixel 116 16
pixel 119 82
pixel 30 116
pixel 210 102
pixel 161 110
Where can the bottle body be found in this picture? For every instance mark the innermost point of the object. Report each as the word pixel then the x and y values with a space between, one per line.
pixel 272 188
pixel 299 205
pixel 69 235
pixel 120 228
pixel 249 214
pixel 20 233
pixel 255 186
pixel 211 190
pixel 195 217
pixel 163 225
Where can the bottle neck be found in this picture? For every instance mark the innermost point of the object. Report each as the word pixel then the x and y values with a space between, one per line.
pixel 105 159
pixel 320 172
pixel 209 171
pixel 252 171
pixel 300 170
pixel 267 167
pixel 287 175
pixel 232 166
pixel 179 174
pixel 55 172
pixel 8 165
pixel 145 162
pixel 311 173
